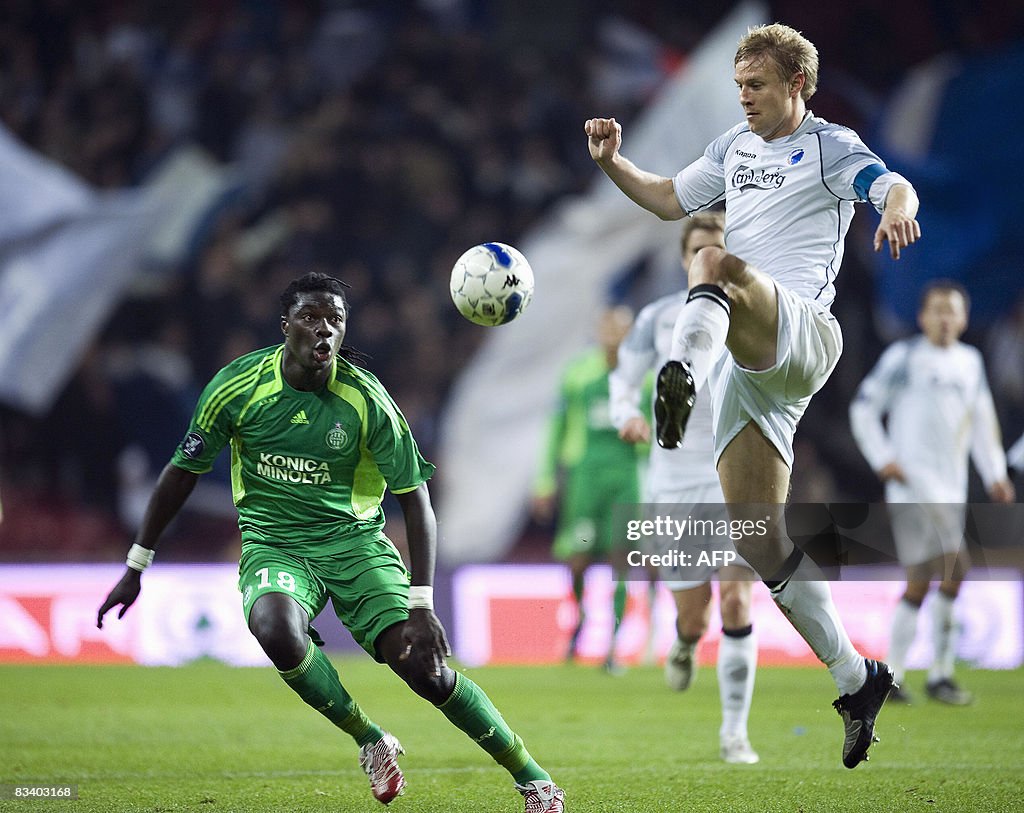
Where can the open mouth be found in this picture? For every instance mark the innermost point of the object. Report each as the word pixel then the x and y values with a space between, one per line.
pixel 323 352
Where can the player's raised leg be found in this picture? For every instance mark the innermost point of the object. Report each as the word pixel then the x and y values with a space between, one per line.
pixel 729 304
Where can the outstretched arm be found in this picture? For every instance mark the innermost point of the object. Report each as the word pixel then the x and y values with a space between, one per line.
pixel 424 636
pixel 898 224
pixel 653 192
pixel 172 489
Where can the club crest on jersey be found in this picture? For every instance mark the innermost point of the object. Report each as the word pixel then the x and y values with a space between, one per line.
pixel 337 437
pixel 795 157
pixel 748 178
pixel 192 446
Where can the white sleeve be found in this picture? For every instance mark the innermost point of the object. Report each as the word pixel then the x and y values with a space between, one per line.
pixel 852 171
pixel 848 167
pixel 986 439
pixel 872 402
pixel 1015 457
pixel 702 183
pixel 881 186
pixel 636 356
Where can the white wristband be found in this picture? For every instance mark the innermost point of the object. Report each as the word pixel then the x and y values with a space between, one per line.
pixel 139 558
pixel 421 597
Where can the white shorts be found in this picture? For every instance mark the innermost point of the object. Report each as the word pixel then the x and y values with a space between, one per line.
pixel 709 492
pixel 809 344
pixel 698 502
pixel 926 531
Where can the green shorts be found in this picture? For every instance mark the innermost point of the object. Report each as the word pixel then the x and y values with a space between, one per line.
pixel 368 585
pixel 591 512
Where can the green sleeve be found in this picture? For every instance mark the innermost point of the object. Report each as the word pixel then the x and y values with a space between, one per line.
pixel 211 426
pixel 392 444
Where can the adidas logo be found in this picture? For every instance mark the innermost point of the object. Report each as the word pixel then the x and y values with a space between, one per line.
pixel 300 417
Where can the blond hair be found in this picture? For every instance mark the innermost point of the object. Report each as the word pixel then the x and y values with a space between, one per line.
pixel 791 52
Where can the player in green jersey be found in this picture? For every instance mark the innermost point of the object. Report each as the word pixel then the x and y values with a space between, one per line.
pixel 315 443
pixel 589 470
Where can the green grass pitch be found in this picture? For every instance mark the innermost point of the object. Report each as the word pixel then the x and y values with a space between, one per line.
pixel 211 738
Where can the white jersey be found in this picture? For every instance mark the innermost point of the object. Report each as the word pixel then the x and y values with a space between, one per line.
pixel 940 411
pixel 646 347
pixel 789 201
pixel 1015 457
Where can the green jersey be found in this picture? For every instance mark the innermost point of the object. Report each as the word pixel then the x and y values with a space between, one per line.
pixel 308 469
pixel 581 437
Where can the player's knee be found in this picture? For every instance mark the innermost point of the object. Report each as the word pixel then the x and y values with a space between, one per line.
pixel 735 609
pixel 711 266
pixel 691 628
pixel 428 684
pixel 285 649
pixel 280 637
pixel 578 564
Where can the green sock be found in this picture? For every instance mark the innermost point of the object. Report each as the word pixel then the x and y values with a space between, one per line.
pixel 316 681
pixel 577 589
pixel 619 602
pixel 471 711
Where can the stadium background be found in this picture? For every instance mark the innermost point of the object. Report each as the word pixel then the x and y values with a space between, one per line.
pixel 168 168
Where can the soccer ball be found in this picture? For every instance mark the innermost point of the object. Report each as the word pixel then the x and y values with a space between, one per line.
pixel 492 284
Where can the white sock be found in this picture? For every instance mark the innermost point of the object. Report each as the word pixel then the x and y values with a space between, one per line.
pixel 700 330
pixel 904 628
pixel 737 664
pixel 808 606
pixel 944 636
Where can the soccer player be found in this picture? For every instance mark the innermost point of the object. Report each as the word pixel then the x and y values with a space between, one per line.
pixel 599 472
pixel 315 441
pixel 686 479
pixel 932 389
pixel 789 181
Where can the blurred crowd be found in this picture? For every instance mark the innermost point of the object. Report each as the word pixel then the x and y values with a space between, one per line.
pixel 376 141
